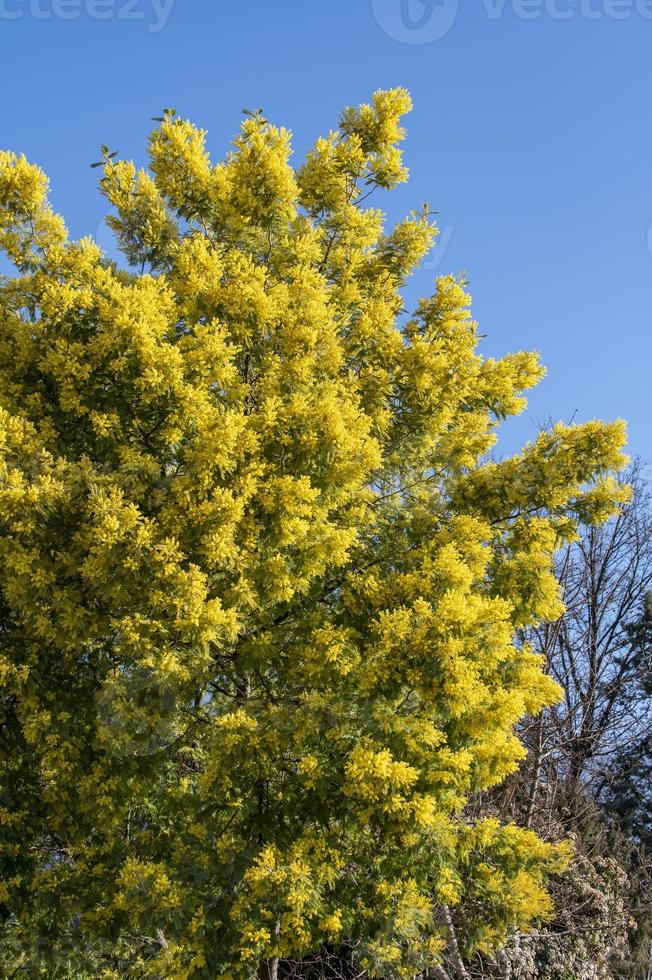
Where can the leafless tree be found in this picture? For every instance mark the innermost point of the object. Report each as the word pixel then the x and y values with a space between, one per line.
pixel 606 577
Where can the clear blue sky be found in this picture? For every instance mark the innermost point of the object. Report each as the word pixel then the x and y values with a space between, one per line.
pixel 531 136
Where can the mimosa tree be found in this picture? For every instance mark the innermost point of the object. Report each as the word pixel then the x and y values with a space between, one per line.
pixel 260 580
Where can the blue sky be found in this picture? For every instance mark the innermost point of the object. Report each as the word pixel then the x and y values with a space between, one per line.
pixel 531 136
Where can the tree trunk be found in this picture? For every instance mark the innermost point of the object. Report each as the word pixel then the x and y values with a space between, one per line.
pixel 268 969
pixel 453 948
pixel 505 965
pixel 536 775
